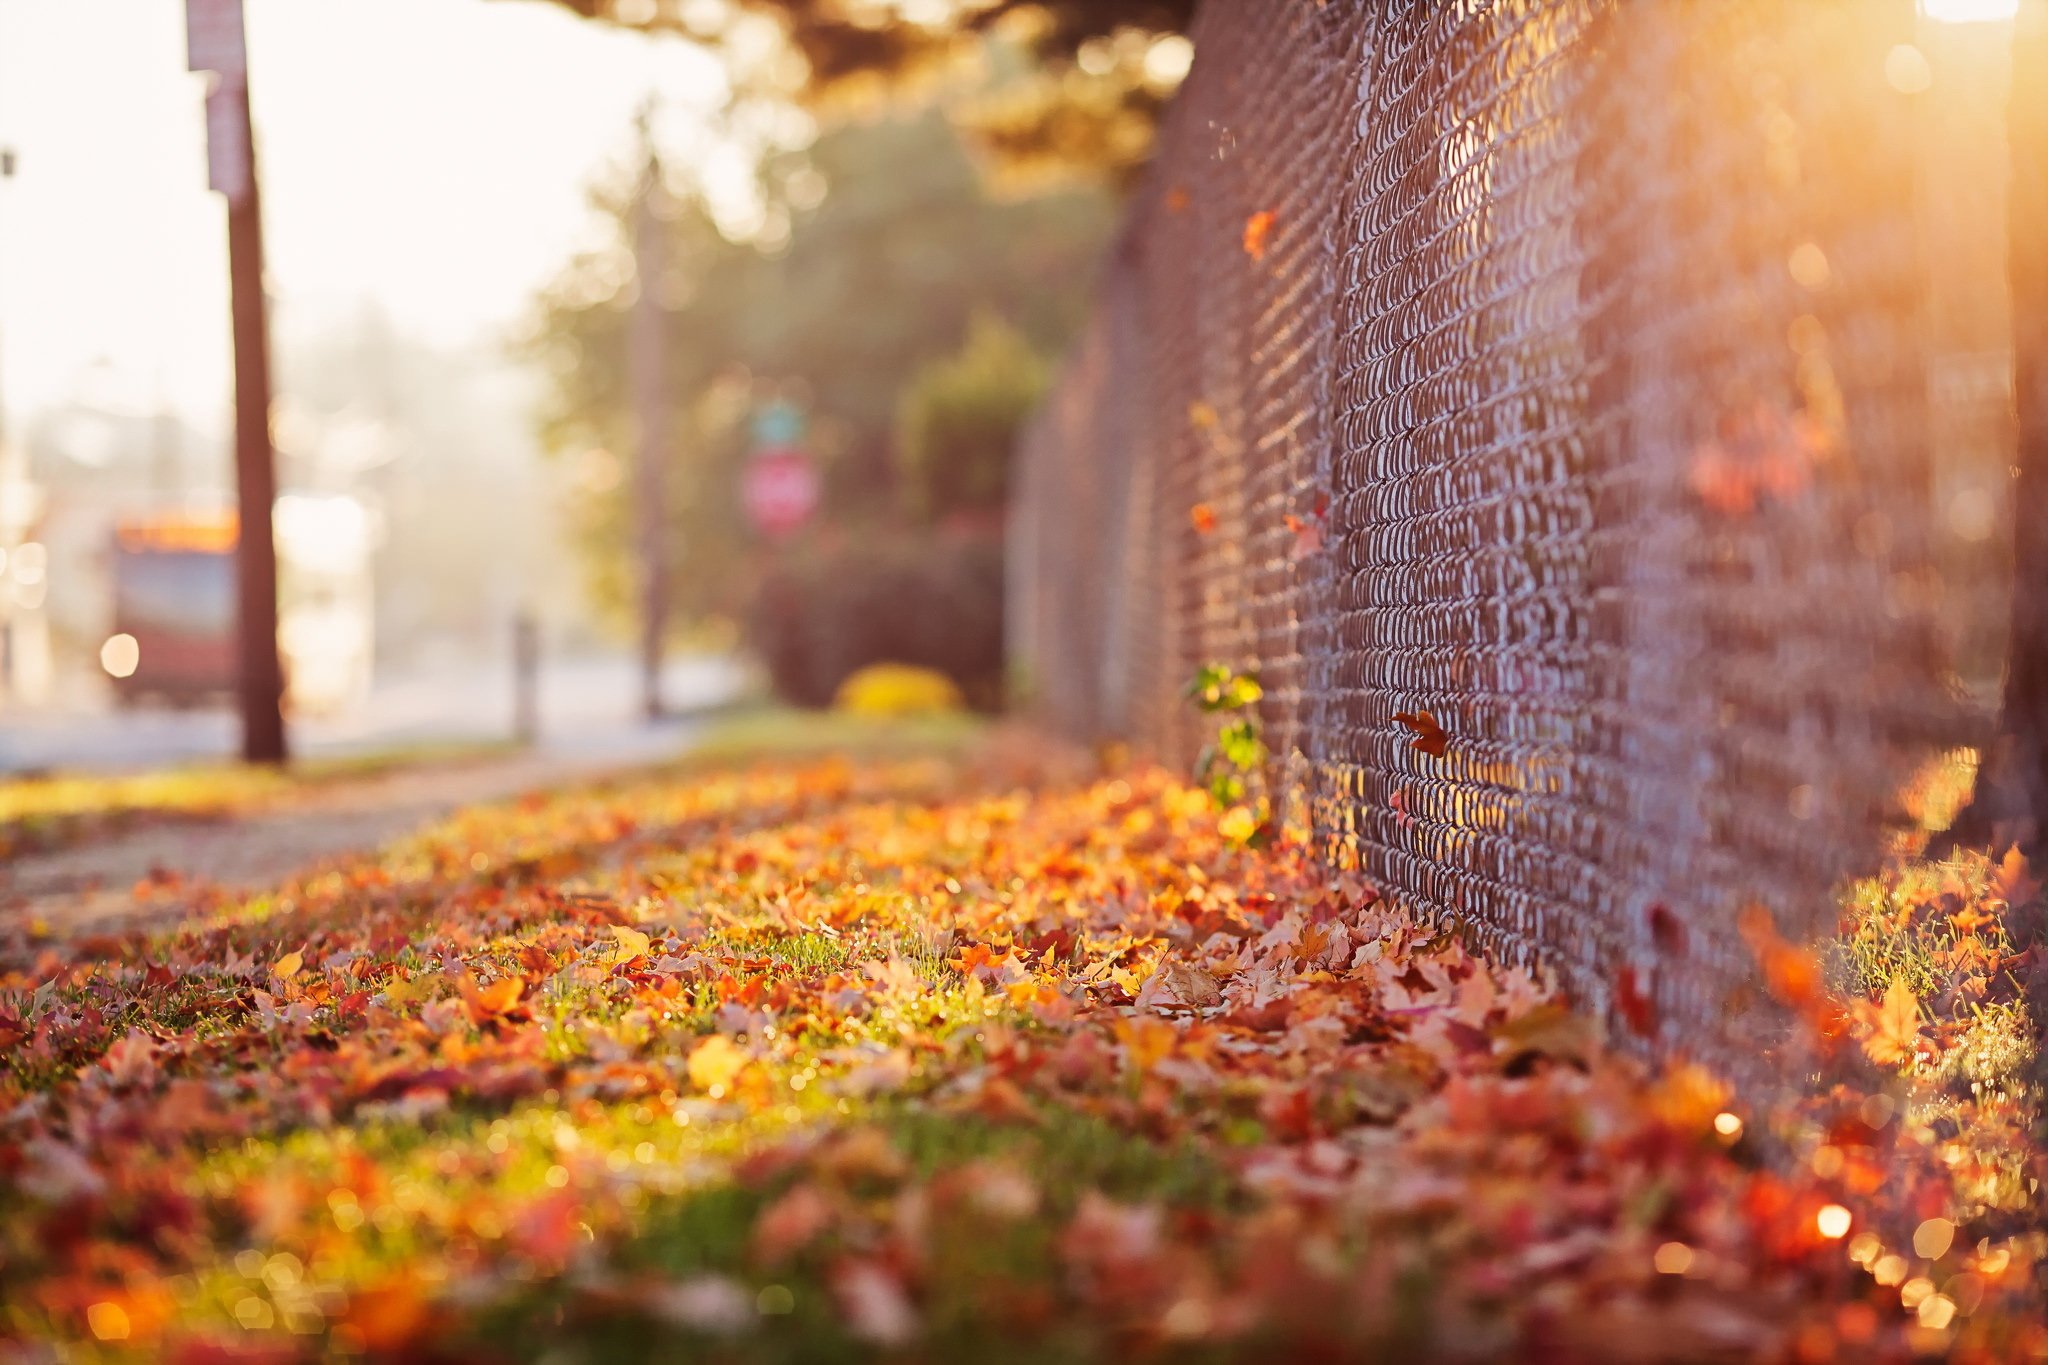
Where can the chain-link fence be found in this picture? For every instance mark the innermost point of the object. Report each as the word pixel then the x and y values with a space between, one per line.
pixel 1625 385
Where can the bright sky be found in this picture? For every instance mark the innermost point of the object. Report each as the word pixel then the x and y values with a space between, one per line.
pixel 430 155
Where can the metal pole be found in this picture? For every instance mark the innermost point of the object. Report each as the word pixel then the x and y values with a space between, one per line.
pixel 647 363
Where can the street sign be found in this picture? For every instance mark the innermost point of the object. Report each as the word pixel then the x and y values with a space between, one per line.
pixel 780 490
pixel 214 41
pixel 779 424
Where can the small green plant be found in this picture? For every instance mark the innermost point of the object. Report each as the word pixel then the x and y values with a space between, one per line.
pixel 1232 766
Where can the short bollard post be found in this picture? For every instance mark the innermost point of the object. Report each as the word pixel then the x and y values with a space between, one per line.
pixel 525 678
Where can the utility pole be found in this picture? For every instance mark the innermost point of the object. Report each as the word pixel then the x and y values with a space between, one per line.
pixel 215 41
pixel 13 488
pixel 647 366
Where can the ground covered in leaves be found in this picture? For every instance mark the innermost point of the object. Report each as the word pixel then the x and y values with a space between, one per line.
pixel 969 1055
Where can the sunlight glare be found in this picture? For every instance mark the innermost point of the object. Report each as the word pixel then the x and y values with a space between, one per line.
pixel 1969 11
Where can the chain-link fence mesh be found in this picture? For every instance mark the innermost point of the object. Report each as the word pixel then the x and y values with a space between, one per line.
pixel 1624 385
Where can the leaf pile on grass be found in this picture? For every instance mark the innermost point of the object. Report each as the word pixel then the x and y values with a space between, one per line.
pixel 946 1058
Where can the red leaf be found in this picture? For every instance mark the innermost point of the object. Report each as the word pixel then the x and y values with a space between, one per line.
pixel 1429 736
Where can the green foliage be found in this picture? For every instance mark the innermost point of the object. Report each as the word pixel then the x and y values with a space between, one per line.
pixel 1232 766
pixel 1215 688
pixel 960 418
pixel 1077 95
pixel 881 279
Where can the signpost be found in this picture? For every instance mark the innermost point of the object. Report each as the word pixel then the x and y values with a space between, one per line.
pixel 215 43
pixel 781 486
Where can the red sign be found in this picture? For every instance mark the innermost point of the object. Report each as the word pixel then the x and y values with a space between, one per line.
pixel 780 490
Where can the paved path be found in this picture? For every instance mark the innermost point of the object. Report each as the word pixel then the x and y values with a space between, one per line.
pixel 91 886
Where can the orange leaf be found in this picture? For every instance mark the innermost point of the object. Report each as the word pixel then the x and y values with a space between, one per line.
pixel 287 967
pixel 2012 882
pixel 485 1003
pixel 1257 229
pixel 1203 517
pixel 1429 736
pixel 1894 1025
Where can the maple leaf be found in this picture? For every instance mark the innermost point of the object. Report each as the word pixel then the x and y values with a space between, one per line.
pixel 1429 736
pixel 1893 1024
pixel 1202 517
pixel 2012 882
pixel 631 943
pixel 1257 230
pixel 485 1003
pixel 715 1063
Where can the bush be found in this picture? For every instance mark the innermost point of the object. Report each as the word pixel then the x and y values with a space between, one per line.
pixel 897 690
pixel 920 597
pixel 959 419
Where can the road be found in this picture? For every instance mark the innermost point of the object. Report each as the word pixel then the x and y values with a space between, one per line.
pixel 588 708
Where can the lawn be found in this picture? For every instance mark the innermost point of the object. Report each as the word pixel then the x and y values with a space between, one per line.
pixel 971 1049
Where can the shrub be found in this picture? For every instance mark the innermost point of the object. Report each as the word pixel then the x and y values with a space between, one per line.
pixel 897 690
pixel 919 597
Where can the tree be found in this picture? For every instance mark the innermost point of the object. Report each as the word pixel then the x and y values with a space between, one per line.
pixel 1081 82
pixel 882 276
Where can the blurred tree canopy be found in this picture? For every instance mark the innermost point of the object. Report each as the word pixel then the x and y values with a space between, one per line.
pixel 1079 83
pixel 838 303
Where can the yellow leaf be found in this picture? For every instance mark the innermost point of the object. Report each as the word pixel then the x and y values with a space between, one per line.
pixel 715 1063
pixel 287 967
pixel 632 943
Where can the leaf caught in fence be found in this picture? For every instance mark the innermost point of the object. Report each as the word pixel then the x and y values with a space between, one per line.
pixel 1429 736
pixel 1257 230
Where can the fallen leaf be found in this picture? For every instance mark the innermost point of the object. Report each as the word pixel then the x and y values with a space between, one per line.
pixel 631 943
pixel 485 1003
pixel 1894 1025
pixel 287 967
pixel 716 1063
